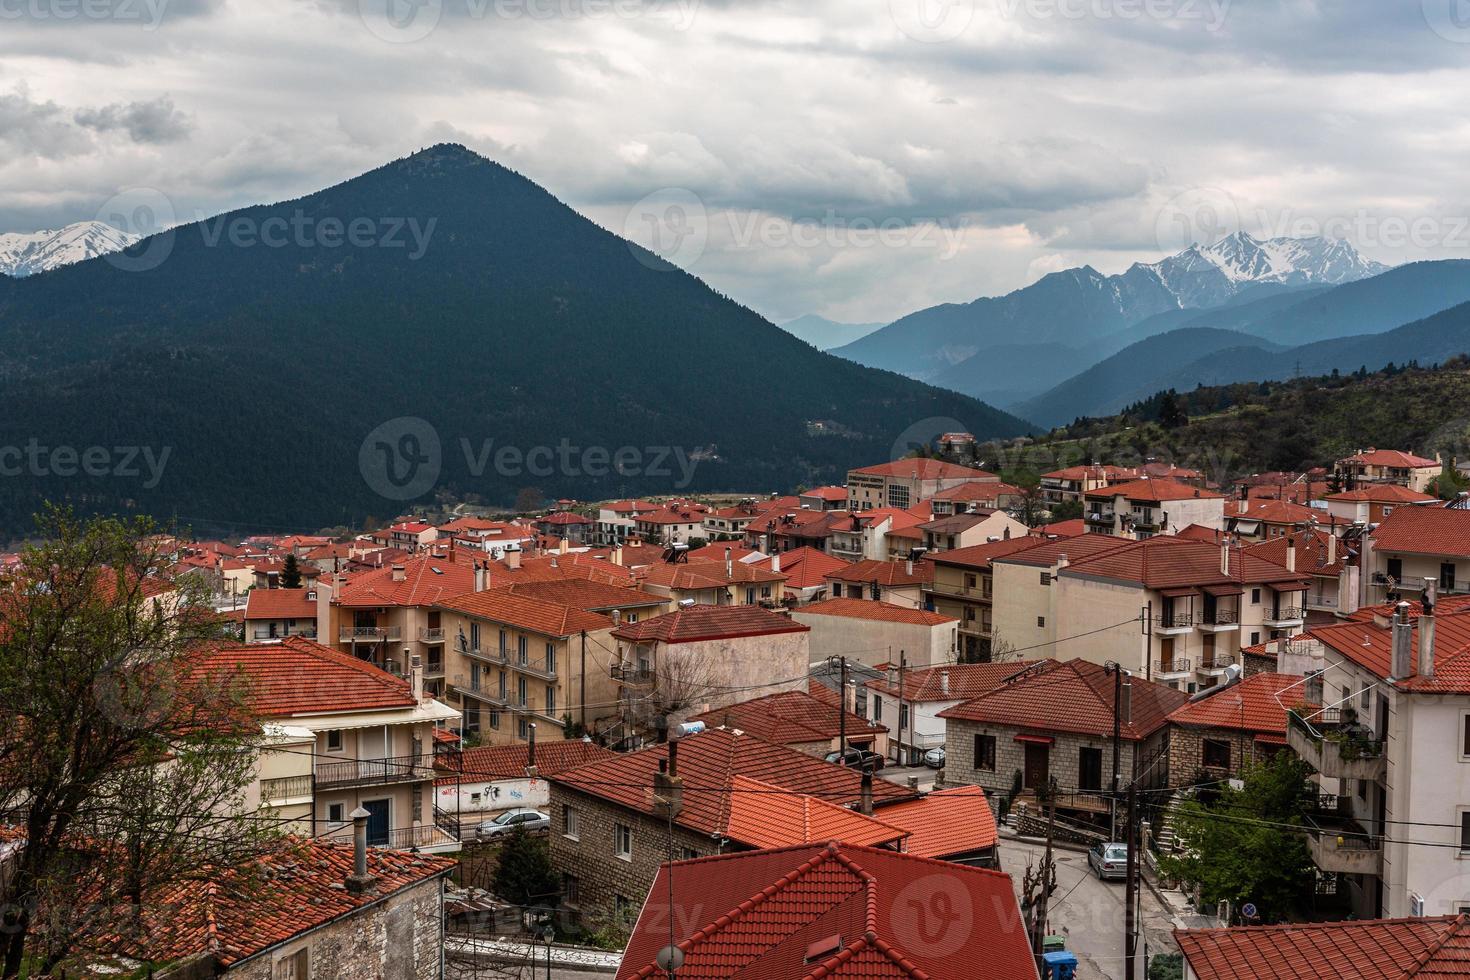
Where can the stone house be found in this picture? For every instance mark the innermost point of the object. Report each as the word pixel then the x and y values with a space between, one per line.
pixel 807 721
pixel 1223 729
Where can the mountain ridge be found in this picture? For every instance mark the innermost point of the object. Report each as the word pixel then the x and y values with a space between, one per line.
pixel 26 254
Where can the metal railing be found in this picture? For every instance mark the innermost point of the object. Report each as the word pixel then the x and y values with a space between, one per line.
pixel 349 634
pixel 630 674
pixel 434 667
pixel 1354 741
pixel 959 591
pixel 434 635
pixel 1176 620
pixel 1283 613
pixel 363 772
pixel 1346 834
pixel 266 633
pixel 1218 660
pixel 1178 665
pixel 539 668
pixel 407 838
pixel 285 788
pixel 1221 617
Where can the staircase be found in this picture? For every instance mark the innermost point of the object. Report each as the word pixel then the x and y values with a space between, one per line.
pixel 1168 840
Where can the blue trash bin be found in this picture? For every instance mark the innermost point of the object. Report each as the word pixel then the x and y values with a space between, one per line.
pixel 1060 966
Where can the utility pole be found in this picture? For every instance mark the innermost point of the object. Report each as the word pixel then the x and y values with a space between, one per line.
pixel 1130 896
pixel 842 714
pixel 1040 884
pixel 1117 673
pixel 902 663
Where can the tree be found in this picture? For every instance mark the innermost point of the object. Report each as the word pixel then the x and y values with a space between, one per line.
pixel 126 770
pixel 1067 510
pixel 1243 846
pixel 524 875
pixel 291 574
pixel 529 500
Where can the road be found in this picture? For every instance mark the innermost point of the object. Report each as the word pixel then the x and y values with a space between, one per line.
pixel 1090 912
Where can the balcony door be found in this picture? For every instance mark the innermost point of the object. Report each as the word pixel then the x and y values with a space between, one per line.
pixel 377 821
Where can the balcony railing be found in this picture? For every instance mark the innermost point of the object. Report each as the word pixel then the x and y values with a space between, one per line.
pixel 539 668
pixel 1220 617
pixel 959 591
pixel 285 788
pixel 1178 665
pixel 1283 614
pixel 371 772
pixel 1218 660
pixel 435 635
pixel 266 633
pixel 1342 845
pixel 1335 744
pixel 434 667
pixel 1176 621
pixel 422 838
pixel 630 674
pixel 369 634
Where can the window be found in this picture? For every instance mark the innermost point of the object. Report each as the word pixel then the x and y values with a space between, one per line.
pixel 878 712
pixel 551 658
pixel 474 677
pixel 494 719
pixel 1041 622
pixel 521 650
pixel 475 637
pixel 504 646
pixel 523 730
pixel 903 716
pixel 1447 576
pixel 750 597
pixel 571 823
pixel 690 854
pixel 571 889
pixel 521 691
pixel 985 752
pixel 1465 736
pixel 472 720
pixel 335 812
pixel 765 591
pixel 1255 597
pixel 550 699
pixel 623 841
pixel 1046 578
pixel 1216 753
pixel 334 741
pixel 296 966
pixel 860 704
pixel 1396 569
pixel 1255 637
pixel 1464 831
pixel 502 684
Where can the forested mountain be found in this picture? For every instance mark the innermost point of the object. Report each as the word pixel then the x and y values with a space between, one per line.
pixel 259 350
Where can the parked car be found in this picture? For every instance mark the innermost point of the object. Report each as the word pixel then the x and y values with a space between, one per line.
pixel 934 758
pixel 511 819
pixel 857 759
pixel 1108 860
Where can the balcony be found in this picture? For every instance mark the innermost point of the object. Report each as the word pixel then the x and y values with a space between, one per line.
pixel 1175 624
pixel 1283 616
pixel 479 692
pixel 427 839
pixel 373 772
pixel 435 635
pixel 980 593
pixel 266 633
pixel 538 668
pixel 1099 517
pixel 285 790
pixel 434 667
pixel 1333 743
pixel 1220 621
pixel 369 634
pixel 1216 662
pixel 1340 844
pixel 1175 667
pixel 633 675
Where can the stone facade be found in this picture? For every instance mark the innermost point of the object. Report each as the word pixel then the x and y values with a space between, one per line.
pixel 1187 752
pixel 1063 757
pixel 608 885
pixel 400 937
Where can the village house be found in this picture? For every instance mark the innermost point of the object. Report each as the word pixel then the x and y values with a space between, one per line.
pixel 808 721
pixel 875 633
pixel 1412 545
pixel 1219 732
pixel 1257 519
pixel 1068 485
pixel 898 583
pixel 714 583
pixel 823 498
pixel 833 910
pixel 968 529
pixel 477 783
pixel 272 615
pixel 1371 504
pixel 412 535
pixel 564 525
pixel 975 496
pixel 1328 563
pixel 1388 466
pixel 615 822
pixel 910 701
pixel 806 571
pixel 1024 604
pixel 1427 947
pixel 1143 508
pixel 876 535
pixel 904 482
pixel 775 531
pixel 616 521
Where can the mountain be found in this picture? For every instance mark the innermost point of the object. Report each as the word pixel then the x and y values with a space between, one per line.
pixel 1080 307
pixel 41 251
pixel 475 337
pixel 824 334
pixel 1185 359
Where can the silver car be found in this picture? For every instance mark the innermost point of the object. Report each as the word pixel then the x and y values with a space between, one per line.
pixel 1109 860
pixel 508 821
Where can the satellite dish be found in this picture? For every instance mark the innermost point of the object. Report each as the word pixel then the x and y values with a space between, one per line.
pixel 669 959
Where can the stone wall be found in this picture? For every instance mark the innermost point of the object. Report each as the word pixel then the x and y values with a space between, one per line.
pixel 1010 756
pixel 400 937
pixel 1186 752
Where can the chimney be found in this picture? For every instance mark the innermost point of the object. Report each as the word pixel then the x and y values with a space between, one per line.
pixel 1291 552
pixel 776 562
pixel 865 798
pixel 415 675
pixel 1062 561
pixel 1426 630
pixel 944 682
pixel 482 576
pixel 668 788
pixel 399 574
pixel 617 555
pixel 1224 556
pixel 1331 548
pixel 908 567
pixel 531 750
pixel 513 558
pixel 360 882
pixel 729 564
pixel 1399 667
pixel 617 617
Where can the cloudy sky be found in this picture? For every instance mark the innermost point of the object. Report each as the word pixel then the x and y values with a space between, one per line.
pixel 857 159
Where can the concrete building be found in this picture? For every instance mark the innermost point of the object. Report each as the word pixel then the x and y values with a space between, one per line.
pixel 808 721
pixel 899 583
pixel 1142 508
pixel 875 633
pixel 963 588
pixel 1388 466
pixel 1413 544
pixel 910 701
pixel 968 529
pixel 1373 503
pixel 1024 604
pixel 904 482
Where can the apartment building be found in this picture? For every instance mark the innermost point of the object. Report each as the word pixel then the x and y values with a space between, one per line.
pixel 1202 604
pixel 1391 741
pixel 1142 508
pixel 564 525
pixel 975 496
pixel 963 588
pixel 904 482
pixel 342 734
pixel 1388 466
pixel 1371 504
pixel 617 520
pixel 900 583
pixel 513 659
pixel 1328 563
pixel 875 534
pixel 1258 519
pixel 1413 544
pixel 970 528
pixel 674 524
pixel 1070 484
pixel 876 632
pixel 776 531
pixel 714 583
pixel 1024 606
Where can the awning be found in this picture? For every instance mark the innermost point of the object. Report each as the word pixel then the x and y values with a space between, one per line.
pixel 1036 739
pixel 1247 527
pixel 1222 591
pixel 1178 593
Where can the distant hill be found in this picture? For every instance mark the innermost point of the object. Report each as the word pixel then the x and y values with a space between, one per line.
pixel 825 334
pixel 27 253
pixel 284 381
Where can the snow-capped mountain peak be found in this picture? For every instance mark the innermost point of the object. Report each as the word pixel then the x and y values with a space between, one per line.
pixel 1205 275
pixel 26 254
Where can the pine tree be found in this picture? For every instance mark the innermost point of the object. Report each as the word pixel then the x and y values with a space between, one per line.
pixel 524 875
pixel 291 574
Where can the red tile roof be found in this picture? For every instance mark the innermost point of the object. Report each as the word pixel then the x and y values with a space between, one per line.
pixel 1271 511
pixel 506 605
pixel 1311 552
pixel 1074 528
pixel 972 492
pixel 870 609
pixel 1384 493
pixel 279 604
pixel 1046 554
pixel 1165 561
pixel 945 823
pixel 981 555
pixel 925 469
pixel 1256 704
pixel 490 762
pixel 427 579
pixel 965 680
pixel 695 575
pixel 1425 531
pixel 789 718
pixel 692 624
pixel 762 815
pixel 1392 458
pixel 707 763
pixel 825 493
pixel 807 568
pixel 1444 606
pixel 831 911
pixel 1370 646
pixel 1069 696
pixel 1156 491
pixel 1372 949
pixel 886 573
pixel 299 677
pixel 586 594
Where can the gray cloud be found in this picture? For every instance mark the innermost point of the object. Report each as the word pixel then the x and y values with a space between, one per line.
pixel 157 121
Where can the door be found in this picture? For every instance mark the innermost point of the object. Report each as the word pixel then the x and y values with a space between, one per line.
pixel 377 822
pixel 1089 769
pixel 1037 768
